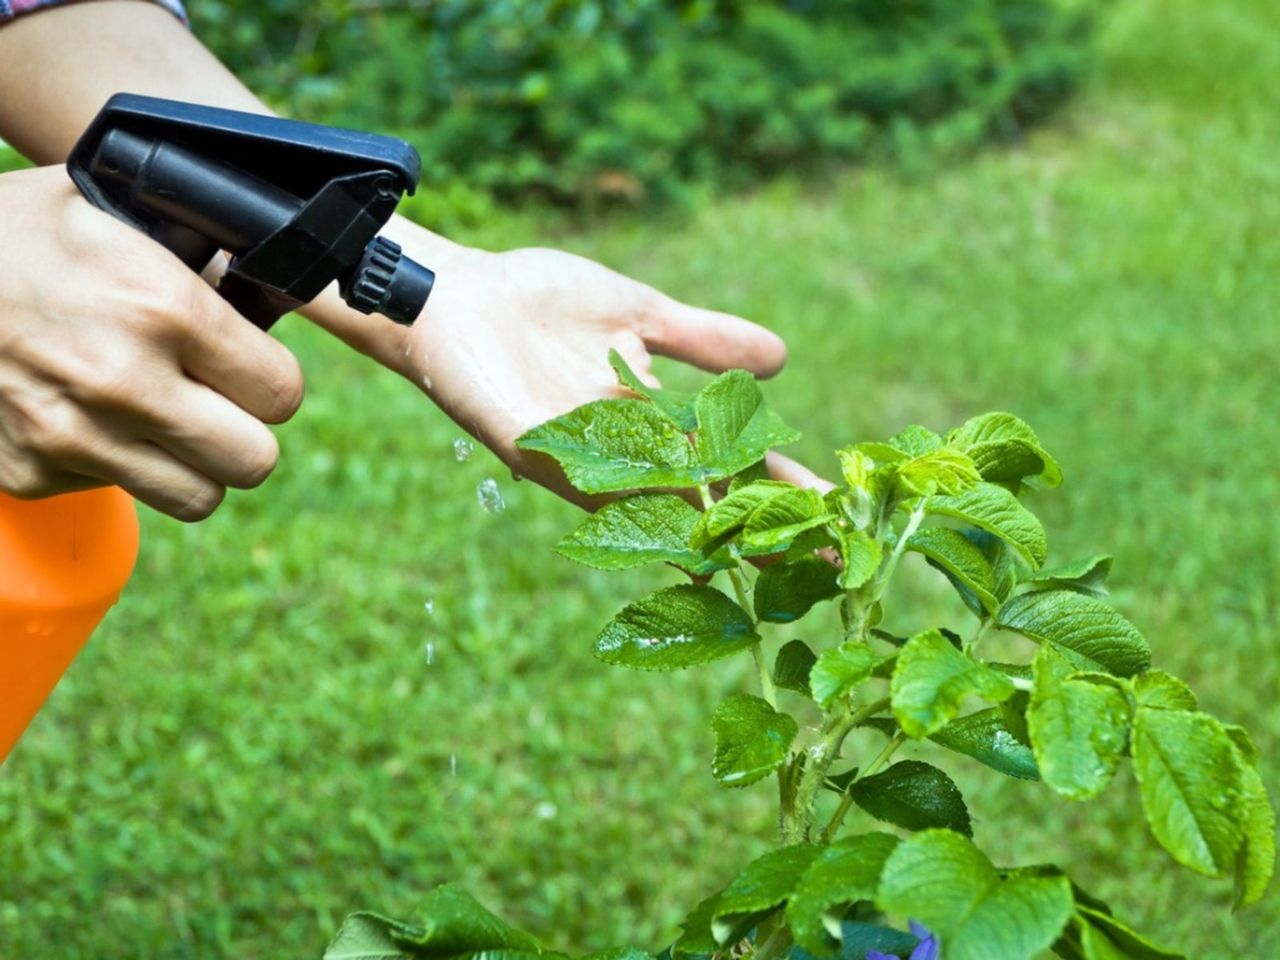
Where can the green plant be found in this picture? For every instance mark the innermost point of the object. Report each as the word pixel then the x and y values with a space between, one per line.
pixel 1080 700
pixel 587 100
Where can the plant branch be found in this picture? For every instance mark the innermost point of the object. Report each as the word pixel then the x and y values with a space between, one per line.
pixel 797 826
pixel 899 548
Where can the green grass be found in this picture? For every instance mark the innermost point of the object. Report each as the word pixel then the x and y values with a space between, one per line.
pixel 254 743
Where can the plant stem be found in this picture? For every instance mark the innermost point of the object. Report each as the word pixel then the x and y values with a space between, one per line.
pixel 899 548
pixel 871 769
pixel 978 635
pixel 775 944
pixel 797 825
pixel 740 591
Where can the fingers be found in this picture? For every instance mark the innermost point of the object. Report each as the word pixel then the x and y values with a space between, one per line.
pixel 159 479
pixel 712 340
pixel 210 434
pixel 253 370
pixel 790 471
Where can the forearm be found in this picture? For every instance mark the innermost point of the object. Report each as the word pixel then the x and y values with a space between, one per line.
pixel 58 68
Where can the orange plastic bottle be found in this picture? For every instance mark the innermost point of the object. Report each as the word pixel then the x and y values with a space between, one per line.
pixel 63 563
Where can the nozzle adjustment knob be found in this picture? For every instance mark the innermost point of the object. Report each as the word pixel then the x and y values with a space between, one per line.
pixel 386 281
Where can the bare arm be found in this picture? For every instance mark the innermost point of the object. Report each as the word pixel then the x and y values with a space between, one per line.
pixel 507 340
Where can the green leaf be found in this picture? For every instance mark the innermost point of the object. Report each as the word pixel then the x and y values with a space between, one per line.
pixel 645 528
pixel 454 922
pixel 619 953
pixel 857 939
pixel 943 881
pixel 366 936
pixel 792 665
pixel 763 885
pixel 845 872
pixel 752 739
pixel 998 512
pixel 984 736
pixel 696 938
pixel 916 441
pixel 780 519
pixel 1087 576
pixel 1157 690
pixel 1014 714
pixel 941 471
pixel 1192 784
pixel 1079 727
pixel 725 517
pixel 1088 632
pixel 755 473
pixel 612 445
pixel 678 406
pixel 735 426
pixel 676 627
pixel 932 680
pixel 1103 937
pixel 1005 449
pixel 785 592
pixel 838 783
pixel 915 796
pixel 962 561
pixel 840 669
pixel 1256 860
pixel 1244 743
pixel 860 556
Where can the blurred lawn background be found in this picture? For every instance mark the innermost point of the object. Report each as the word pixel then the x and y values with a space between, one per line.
pixel 255 744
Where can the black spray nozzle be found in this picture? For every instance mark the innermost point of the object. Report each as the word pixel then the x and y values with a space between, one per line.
pixel 297 205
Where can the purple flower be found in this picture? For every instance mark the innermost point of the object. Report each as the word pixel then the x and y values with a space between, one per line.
pixel 926 949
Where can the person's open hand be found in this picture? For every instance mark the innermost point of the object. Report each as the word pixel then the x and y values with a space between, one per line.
pixel 510 340
pixel 118 365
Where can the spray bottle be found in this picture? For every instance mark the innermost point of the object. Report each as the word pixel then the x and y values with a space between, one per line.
pixel 297 206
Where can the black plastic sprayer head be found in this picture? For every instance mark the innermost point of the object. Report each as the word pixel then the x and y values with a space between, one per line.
pixel 297 205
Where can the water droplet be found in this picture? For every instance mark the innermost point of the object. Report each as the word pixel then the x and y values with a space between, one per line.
pixel 430 607
pixel 546 811
pixel 462 449
pixel 430 652
pixel 426 381
pixel 490 496
pixel 453 764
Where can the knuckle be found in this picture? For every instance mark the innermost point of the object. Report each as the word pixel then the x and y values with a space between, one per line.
pixel 55 432
pixel 286 390
pixel 26 480
pixel 200 503
pixel 112 381
pixel 171 303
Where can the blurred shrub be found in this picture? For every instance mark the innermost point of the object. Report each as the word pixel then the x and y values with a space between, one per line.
pixel 623 99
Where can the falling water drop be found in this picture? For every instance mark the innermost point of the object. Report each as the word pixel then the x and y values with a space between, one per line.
pixel 462 449
pixel 430 652
pixel 430 607
pixel 453 764
pixel 490 496
pixel 546 810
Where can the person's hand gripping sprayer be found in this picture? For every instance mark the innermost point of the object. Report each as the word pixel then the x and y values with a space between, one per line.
pixel 120 366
